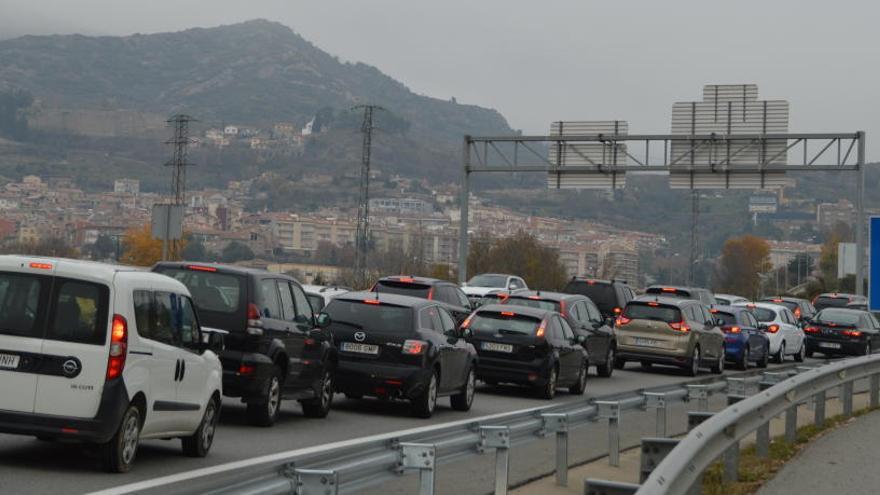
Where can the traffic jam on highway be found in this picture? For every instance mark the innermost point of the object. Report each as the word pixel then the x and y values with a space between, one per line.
pixel 111 355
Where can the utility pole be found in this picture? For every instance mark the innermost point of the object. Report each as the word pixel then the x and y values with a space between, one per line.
pixel 363 217
pixel 178 164
pixel 695 219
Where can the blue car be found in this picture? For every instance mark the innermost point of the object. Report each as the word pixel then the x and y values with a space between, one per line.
pixel 744 342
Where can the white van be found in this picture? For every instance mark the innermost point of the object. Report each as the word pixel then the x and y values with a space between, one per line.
pixel 104 354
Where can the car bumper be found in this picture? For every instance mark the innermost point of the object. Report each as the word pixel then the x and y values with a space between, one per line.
pixel 245 374
pixel 535 372
pixel 821 345
pixel 678 357
pixel 99 429
pixel 381 380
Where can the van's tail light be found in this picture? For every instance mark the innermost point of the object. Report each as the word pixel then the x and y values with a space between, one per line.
pixel 680 326
pixel 118 347
pixel 811 330
pixel 414 347
pixel 254 320
pixel 773 328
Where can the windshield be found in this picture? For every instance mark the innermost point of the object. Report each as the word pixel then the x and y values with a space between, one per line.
pixel 831 302
pixel 726 318
pixel 764 315
pixel 723 301
pixel 211 291
pixel 838 317
pixel 492 322
pixel 602 294
pixel 421 291
pixel 652 311
pixel 488 281
pixel 383 318
pixel 788 304
pixel 532 303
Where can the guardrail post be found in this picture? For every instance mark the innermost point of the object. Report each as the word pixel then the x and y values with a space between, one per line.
pixel 697 417
pixel 498 438
pixel 791 423
pixel 653 451
pixel 558 423
pixel 847 397
pixel 420 456
pixel 316 482
pixel 700 394
pixel 610 410
pixel 603 487
pixel 819 400
pixel 771 378
pixel 736 390
pixel 762 440
pixel 731 462
pixel 657 401
pixel 875 391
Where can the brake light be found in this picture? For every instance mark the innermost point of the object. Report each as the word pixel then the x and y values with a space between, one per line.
pixel 852 333
pixel 414 347
pixel 372 301
pixel 591 282
pixel 254 321
pixel 201 268
pixel 253 312
pixel 797 312
pixel 41 266
pixel 541 329
pixel 246 369
pixel 713 311
pixel 536 298
pixel 680 326
pixel 431 294
pixel 668 289
pixel 562 307
pixel 406 279
pixel 773 328
pixel 811 330
pixel 777 300
pixel 467 322
pixel 734 330
pixel 622 320
pixel 508 313
pixel 309 342
pixel 118 347
pixel 617 310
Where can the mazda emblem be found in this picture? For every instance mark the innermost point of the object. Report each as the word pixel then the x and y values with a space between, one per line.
pixel 360 336
pixel 71 367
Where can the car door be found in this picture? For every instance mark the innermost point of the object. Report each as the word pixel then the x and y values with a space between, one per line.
pixel 561 348
pixel 874 325
pixel 163 413
pixel 715 335
pixel 573 354
pixel 24 301
pixel 458 350
pixel 294 336
pixel 697 322
pixel 600 333
pixel 432 328
pixel 793 334
pixel 304 325
pixel 192 394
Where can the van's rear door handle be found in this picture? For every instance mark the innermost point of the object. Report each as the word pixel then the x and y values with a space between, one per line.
pixel 177 370
pixel 182 369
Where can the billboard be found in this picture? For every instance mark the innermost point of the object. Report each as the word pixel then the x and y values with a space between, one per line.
pixel 873 263
pixel 592 154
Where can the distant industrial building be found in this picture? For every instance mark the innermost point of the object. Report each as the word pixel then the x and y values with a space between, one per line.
pixel 829 214
pixel 127 186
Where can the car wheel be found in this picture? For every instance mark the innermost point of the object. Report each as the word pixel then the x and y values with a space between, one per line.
pixel 646 365
pixel 319 407
pixel 718 367
pixel 801 353
pixel 548 391
pixel 765 358
pixel 200 442
pixel 463 400
pixel 117 455
pixel 264 411
pixel 694 366
pixel 868 350
pixel 607 368
pixel 808 354
pixel 581 386
pixel 743 362
pixel 424 405
pixel 780 355
pixel 619 363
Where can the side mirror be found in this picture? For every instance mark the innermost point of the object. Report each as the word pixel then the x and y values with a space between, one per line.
pixel 718 322
pixel 762 327
pixel 213 340
pixel 580 339
pixel 322 320
pixel 609 321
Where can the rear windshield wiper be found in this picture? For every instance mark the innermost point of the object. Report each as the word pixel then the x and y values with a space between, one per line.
pixel 349 324
pixel 505 331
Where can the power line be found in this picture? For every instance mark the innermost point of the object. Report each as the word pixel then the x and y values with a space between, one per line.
pixel 363 217
pixel 178 162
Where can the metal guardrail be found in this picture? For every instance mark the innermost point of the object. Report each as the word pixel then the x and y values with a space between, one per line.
pixel 719 436
pixel 350 466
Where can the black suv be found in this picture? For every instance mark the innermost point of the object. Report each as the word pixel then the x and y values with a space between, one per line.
pixel 399 347
pixel 275 348
pixel 803 310
pixel 610 296
pixel 449 295
pixel 584 318
pixel 705 296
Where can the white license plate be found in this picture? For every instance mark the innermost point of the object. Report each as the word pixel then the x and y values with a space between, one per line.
pixel 829 345
pixel 9 361
pixel 643 341
pixel 360 348
pixel 493 346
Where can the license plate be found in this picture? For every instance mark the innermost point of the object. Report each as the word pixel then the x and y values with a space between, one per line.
pixel 643 341
pixel 360 348
pixel 495 347
pixel 829 345
pixel 9 361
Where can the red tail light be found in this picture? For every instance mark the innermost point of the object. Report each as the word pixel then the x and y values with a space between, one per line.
pixel 253 312
pixel 668 289
pixel 797 312
pixel 371 301
pixel 617 310
pixel 41 266
pixel 254 321
pixel 653 304
pixel 406 279
pixel 773 328
pixel 562 307
pixel 680 326
pixel 414 347
pixel 200 268
pixel 508 313
pixel 541 329
pixel 852 333
pixel 732 329
pixel 246 369
pixel 467 322
pixel 118 347
pixel 431 294
pixel 536 298
pixel 811 330
pixel 622 320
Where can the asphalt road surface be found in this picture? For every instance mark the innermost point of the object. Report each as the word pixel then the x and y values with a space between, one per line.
pixel 28 465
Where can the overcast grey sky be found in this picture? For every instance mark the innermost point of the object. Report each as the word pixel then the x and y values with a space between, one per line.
pixel 540 61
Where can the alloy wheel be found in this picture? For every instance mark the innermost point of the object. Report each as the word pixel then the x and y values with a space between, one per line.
pixel 274 397
pixel 130 436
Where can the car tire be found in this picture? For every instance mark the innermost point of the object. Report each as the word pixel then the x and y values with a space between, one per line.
pixel 548 391
pixel 868 349
pixel 319 407
pixel 607 368
pixel 693 368
pixel 354 396
pixel 779 357
pixel 743 362
pixel 491 383
pixel 718 367
pixel 581 385
pixel 199 443
pixel 463 400
pixel 646 365
pixel 117 455
pixel 619 363
pixel 801 353
pixel 765 359
pixel 264 410
pixel 425 404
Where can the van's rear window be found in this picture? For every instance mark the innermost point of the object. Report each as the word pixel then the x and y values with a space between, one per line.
pixel 491 322
pixel 22 300
pixel 383 318
pixel 403 288
pixel 602 294
pixel 211 291
pixel 647 311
